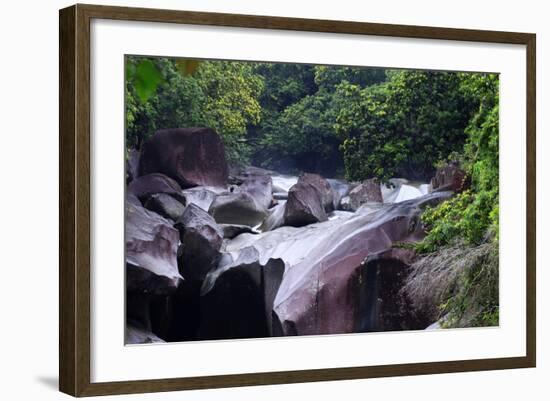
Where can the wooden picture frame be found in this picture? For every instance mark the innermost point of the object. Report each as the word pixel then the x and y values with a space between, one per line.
pixel 74 199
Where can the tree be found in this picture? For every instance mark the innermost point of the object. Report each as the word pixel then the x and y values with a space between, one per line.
pixel 232 91
pixel 402 127
pixel 473 215
pixel 328 77
pixel 299 109
pixel 302 137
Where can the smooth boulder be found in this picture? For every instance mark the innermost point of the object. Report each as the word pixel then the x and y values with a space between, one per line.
pixel 246 204
pixel 151 250
pixel 201 240
pixel 146 186
pixel 237 208
pixel 319 293
pixel 308 202
pixel 366 192
pixel 276 217
pixel 201 196
pixel 191 156
pixel 260 187
pixel 165 205
pixel 322 186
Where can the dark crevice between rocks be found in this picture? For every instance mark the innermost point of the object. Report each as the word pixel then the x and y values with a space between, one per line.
pixel 382 304
pixel 241 302
pixel 179 314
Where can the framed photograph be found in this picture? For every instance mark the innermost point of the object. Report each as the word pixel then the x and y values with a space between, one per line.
pixel 250 200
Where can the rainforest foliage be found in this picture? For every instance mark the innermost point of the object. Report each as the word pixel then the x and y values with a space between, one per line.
pixel 472 215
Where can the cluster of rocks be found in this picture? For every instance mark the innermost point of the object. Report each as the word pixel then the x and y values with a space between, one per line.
pixel 212 255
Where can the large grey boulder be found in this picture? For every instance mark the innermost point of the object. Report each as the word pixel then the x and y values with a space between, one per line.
pixel 237 208
pixel 260 187
pixel 165 205
pixel 334 266
pixel 201 239
pixel 308 201
pixel 151 249
pixel 145 186
pixel 246 205
pixel 366 192
pixel 191 156
pixel 202 196
pixel 322 186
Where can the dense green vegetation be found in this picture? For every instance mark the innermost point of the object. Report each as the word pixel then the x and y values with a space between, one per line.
pixel 403 126
pixel 472 215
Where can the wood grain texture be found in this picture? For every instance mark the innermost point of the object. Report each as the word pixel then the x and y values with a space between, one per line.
pixel 74 199
pixel 67 131
pixel 531 228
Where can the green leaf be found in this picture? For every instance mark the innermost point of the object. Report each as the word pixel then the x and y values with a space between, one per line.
pixel 147 78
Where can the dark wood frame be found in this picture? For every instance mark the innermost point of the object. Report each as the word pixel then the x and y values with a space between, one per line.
pixel 74 199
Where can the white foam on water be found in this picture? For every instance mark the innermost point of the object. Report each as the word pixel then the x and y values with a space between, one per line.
pixel 407 192
pixel 282 183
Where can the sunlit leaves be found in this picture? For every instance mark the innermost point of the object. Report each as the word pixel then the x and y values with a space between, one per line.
pixel 473 216
pixel 145 77
pixel 403 126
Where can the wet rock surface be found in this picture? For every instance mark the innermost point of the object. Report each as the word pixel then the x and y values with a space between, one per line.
pixel 151 248
pixel 315 296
